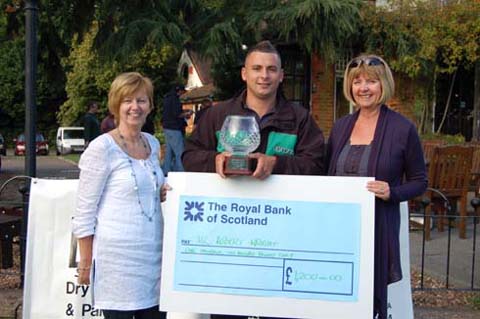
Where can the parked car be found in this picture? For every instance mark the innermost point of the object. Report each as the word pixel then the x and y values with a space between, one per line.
pixel 3 147
pixel 41 145
pixel 70 140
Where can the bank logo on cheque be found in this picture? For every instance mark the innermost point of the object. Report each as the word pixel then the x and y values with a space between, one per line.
pixel 194 211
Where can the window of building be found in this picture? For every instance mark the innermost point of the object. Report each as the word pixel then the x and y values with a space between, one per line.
pixel 184 72
pixel 296 80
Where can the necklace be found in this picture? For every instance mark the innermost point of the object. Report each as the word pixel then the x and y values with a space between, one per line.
pixel 149 166
pixel 125 145
pixel 155 189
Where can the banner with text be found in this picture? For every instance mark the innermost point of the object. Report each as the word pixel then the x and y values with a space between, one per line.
pixel 51 289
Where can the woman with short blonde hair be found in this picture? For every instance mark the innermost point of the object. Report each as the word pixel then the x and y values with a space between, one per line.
pixel 378 142
pixel 118 219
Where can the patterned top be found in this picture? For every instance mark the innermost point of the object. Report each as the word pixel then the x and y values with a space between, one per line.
pixel 353 160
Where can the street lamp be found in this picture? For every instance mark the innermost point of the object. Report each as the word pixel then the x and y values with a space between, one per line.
pixel 31 10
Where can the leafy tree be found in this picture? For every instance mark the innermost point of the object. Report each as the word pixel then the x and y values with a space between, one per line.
pixel 12 79
pixel 425 38
pixel 148 36
pixel 324 26
pixel 218 29
pixel 123 31
pixel 57 22
pixel 89 76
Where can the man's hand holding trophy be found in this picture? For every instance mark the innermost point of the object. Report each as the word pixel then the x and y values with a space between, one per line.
pixel 240 135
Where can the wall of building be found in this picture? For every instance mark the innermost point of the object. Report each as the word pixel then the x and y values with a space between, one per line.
pixel 323 90
pixel 404 100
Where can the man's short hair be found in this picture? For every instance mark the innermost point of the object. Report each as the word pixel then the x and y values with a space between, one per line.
pixel 179 87
pixel 91 104
pixel 264 47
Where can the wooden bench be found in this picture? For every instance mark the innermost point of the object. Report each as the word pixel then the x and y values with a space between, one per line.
pixel 449 172
pixel 10 226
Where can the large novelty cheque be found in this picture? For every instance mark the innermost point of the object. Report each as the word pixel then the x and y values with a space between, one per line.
pixel 288 246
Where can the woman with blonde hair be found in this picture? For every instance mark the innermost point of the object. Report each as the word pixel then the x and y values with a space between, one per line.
pixel 376 141
pixel 118 219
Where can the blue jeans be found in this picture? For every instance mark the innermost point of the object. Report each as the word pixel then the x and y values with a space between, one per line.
pixel 173 151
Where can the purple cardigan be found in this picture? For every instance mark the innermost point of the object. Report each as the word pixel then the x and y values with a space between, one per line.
pixel 397 158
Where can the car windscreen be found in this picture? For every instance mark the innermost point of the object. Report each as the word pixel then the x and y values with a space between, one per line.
pixel 72 134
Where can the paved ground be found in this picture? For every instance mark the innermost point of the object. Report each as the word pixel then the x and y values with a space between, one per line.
pixel 461 261
pixel 460 269
pixel 47 166
pixel 435 262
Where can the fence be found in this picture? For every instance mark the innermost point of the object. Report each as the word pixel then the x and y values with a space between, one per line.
pixel 445 256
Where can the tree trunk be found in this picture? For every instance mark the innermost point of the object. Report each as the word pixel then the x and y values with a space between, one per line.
pixel 445 112
pixel 476 104
pixel 434 99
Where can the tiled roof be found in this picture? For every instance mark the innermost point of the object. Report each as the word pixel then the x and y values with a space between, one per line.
pixel 198 94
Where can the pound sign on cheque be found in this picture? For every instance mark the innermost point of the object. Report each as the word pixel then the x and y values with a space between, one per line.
pixel 288 271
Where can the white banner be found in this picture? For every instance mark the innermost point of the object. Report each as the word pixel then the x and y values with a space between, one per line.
pixel 51 290
pixel 400 293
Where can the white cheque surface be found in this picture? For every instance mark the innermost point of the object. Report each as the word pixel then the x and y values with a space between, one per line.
pixel 290 246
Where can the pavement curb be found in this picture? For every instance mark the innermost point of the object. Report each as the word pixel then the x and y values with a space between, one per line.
pixel 67 160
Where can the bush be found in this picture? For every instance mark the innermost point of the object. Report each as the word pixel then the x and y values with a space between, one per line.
pixel 160 137
pixel 449 139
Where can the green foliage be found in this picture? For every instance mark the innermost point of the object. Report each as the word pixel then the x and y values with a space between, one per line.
pixel 476 301
pixel 227 77
pixel 12 79
pixel 449 139
pixel 81 83
pixel 421 37
pixel 160 136
pixel 89 76
pixel 123 31
pixel 324 26
pixel 84 44
pixel 57 20
pixel 218 29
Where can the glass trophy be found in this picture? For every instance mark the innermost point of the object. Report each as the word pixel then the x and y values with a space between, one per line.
pixel 240 135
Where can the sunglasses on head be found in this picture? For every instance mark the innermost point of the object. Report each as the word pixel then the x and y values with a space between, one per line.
pixel 368 61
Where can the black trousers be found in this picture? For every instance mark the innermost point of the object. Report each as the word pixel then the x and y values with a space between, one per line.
pixel 149 313
pixel 212 316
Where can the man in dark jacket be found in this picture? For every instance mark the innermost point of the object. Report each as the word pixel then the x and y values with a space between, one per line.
pixel 91 124
pixel 173 122
pixel 291 142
